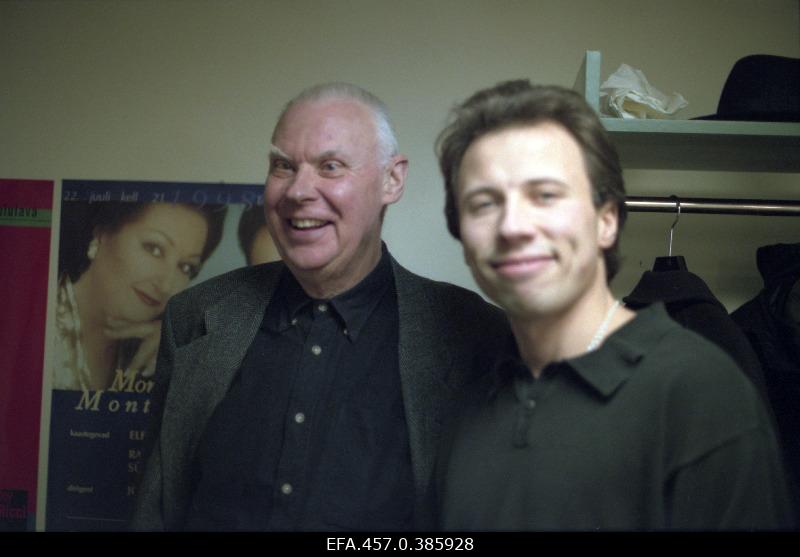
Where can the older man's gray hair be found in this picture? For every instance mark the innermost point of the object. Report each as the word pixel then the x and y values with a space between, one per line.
pixel 387 141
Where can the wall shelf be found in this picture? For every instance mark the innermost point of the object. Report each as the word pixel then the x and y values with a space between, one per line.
pixel 694 144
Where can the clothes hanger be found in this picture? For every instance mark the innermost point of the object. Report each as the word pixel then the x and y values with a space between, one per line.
pixel 671 262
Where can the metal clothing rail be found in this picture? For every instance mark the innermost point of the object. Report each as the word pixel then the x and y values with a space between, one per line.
pixel 711 206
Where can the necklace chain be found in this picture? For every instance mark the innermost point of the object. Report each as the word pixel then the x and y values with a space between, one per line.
pixel 601 330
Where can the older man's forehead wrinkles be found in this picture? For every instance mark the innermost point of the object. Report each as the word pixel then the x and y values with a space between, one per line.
pixel 331 154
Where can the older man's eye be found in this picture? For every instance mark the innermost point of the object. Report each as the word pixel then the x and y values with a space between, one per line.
pixel 279 166
pixel 331 166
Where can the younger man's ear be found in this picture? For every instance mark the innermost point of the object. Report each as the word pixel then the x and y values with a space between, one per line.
pixel 607 225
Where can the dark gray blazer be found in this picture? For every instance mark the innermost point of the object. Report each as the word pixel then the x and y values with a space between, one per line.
pixel 447 336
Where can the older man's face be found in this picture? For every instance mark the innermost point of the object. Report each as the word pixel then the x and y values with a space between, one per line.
pixel 325 192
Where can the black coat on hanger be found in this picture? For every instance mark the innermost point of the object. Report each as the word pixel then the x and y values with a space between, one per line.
pixel 769 322
pixel 670 263
pixel 690 302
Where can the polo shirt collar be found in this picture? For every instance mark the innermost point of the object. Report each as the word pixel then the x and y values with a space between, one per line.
pixel 606 368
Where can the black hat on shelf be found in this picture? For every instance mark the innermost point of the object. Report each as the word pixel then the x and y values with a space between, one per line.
pixel 761 88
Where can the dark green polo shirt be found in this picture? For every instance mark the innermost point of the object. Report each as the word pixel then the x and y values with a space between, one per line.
pixel 657 429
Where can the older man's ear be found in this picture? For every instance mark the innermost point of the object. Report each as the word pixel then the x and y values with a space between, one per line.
pixel 394 182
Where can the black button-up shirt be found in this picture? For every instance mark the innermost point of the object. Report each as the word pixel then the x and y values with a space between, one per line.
pixel 312 433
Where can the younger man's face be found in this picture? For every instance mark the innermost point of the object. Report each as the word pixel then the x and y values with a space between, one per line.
pixel 532 236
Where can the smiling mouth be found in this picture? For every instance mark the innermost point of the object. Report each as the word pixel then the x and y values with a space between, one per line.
pixel 307 224
pixel 521 266
pixel 147 299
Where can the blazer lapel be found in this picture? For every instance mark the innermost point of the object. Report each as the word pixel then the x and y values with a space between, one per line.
pixel 425 362
pixel 205 367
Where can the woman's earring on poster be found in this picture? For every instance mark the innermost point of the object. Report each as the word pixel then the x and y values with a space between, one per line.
pixel 91 253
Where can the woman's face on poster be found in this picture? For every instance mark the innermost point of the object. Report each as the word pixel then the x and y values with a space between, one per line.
pixel 141 265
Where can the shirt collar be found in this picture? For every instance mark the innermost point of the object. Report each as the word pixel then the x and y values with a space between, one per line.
pixel 288 301
pixel 606 368
pixel 353 306
pixel 508 366
pixel 357 304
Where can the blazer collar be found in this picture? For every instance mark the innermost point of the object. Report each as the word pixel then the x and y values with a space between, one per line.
pixel 250 296
pixel 232 322
pixel 425 363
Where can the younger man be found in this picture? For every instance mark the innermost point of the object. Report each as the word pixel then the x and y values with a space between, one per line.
pixel 596 417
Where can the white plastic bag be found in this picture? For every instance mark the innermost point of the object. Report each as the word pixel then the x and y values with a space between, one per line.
pixel 628 94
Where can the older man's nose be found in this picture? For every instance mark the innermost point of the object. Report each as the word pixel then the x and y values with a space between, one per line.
pixel 303 186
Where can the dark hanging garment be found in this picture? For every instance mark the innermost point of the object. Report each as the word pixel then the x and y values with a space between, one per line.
pixel 771 321
pixel 691 303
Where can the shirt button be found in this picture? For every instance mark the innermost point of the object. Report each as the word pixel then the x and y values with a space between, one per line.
pixel 294 321
pixel 316 350
pixel 346 332
pixel 286 489
pixel 530 404
pixel 322 308
pixel 299 417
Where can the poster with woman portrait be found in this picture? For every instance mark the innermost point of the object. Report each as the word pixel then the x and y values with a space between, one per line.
pixel 124 249
pixel 25 231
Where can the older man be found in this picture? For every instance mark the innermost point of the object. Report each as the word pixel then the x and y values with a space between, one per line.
pixel 596 417
pixel 308 394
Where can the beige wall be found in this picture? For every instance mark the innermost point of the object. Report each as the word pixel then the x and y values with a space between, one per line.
pixel 189 91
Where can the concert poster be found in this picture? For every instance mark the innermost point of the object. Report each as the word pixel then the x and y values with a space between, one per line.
pixel 124 249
